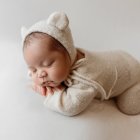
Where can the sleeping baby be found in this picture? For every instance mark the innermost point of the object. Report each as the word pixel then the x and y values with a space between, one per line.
pixel 71 78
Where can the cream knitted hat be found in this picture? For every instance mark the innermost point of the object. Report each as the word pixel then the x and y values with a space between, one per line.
pixel 57 26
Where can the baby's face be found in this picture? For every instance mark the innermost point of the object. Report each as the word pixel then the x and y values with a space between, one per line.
pixel 48 65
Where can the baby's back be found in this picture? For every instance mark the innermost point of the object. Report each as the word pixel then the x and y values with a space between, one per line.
pixel 115 71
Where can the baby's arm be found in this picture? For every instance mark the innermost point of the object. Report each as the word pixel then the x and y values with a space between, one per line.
pixel 70 101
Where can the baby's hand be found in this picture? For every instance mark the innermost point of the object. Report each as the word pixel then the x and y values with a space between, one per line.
pixel 44 91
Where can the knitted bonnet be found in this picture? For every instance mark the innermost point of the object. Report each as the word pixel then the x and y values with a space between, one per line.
pixel 57 26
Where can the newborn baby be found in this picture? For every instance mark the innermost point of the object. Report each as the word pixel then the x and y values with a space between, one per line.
pixel 70 78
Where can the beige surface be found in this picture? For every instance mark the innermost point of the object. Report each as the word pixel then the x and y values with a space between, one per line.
pixel 23 116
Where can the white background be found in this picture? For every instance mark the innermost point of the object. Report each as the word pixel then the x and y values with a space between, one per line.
pixel 96 25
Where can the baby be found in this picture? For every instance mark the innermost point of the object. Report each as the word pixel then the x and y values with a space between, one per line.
pixel 70 78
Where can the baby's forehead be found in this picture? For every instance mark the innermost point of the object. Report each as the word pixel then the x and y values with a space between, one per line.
pixel 38 38
pixel 42 42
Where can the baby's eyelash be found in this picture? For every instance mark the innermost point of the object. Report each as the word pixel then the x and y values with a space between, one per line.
pixel 49 64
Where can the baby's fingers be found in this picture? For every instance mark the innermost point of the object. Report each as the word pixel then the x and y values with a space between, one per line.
pixel 43 91
pixel 50 90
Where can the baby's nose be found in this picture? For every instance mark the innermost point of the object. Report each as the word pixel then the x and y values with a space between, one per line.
pixel 42 74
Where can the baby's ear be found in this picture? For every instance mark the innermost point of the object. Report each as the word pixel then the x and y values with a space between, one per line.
pixel 59 20
pixel 23 31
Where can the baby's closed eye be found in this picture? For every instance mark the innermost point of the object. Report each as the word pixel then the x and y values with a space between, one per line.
pixel 48 64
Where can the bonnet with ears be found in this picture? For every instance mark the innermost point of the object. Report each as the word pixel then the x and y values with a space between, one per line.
pixel 57 26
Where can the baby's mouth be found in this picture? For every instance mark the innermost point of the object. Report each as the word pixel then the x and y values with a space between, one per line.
pixel 49 83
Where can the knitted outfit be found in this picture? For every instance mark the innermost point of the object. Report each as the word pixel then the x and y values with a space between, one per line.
pixel 98 75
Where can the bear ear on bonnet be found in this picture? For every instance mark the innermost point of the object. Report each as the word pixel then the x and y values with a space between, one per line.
pixel 59 20
pixel 56 19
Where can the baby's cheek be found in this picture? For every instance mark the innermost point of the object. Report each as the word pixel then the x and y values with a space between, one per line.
pixel 35 80
pixel 59 75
